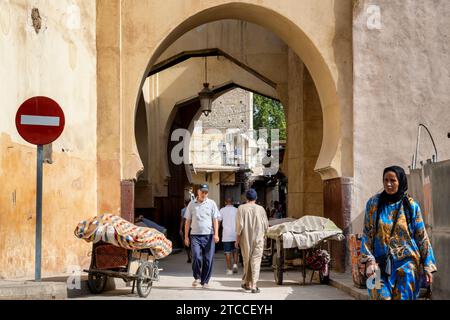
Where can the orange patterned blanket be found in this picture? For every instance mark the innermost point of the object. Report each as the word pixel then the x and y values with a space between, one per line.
pixel 122 233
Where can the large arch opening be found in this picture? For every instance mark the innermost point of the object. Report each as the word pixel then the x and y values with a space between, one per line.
pixel 172 78
pixel 329 162
pixel 323 77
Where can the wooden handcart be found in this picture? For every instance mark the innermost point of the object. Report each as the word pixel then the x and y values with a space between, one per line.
pixel 136 266
pixel 278 256
pixel 310 248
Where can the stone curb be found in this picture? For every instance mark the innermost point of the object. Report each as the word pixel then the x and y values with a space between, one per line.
pixel 28 290
pixel 348 287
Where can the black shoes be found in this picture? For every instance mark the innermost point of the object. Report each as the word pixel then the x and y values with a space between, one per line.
pixel 256 290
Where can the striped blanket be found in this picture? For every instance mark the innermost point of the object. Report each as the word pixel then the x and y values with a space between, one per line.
pixel 119 232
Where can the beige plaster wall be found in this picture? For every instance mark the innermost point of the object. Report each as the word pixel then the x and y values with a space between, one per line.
pixel 253 45
pixel 402 78
pixel 59 62
pixel 109 79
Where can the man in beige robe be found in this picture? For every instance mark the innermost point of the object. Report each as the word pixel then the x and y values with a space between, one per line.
pixel 251 228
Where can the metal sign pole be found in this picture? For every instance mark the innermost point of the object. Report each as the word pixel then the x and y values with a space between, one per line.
pixel 37 263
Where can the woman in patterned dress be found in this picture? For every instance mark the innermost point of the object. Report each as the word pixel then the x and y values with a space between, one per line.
pixel 395 246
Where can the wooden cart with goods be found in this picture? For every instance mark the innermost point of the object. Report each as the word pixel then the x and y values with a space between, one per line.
pixel 136 266
pixel 305 243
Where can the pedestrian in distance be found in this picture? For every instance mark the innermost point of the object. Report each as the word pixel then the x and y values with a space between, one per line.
pixel 228 218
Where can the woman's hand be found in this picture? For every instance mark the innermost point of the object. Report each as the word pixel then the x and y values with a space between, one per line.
pixel 371 268
pixel 428 277
pixel 236 244
pixel 216 238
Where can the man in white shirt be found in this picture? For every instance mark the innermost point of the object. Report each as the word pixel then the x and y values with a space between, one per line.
pixel 228 217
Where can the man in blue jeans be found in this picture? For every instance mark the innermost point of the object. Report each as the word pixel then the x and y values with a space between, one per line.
pixel 202 219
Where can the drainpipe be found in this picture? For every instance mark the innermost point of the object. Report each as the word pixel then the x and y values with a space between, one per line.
pixel 416 154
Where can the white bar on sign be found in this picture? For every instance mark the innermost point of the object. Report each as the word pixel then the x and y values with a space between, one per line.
pixel 39 120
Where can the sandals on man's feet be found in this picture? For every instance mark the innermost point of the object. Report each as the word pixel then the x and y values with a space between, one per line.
pixel 243 286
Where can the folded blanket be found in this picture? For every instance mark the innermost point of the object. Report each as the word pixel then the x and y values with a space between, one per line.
pixel 122 233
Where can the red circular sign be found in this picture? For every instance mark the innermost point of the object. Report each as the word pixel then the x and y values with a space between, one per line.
pixel 40 120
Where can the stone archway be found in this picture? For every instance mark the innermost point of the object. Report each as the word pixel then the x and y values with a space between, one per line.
pixel 329 163
pixel 132 46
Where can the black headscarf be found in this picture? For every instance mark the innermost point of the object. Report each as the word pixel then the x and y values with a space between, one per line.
pixel 401 194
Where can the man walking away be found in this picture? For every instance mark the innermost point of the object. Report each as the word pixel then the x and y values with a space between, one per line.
pixel 202 219
pixel 251 228
pixel 228 217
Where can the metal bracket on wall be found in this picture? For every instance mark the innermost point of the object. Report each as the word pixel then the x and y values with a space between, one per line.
pixel 48 152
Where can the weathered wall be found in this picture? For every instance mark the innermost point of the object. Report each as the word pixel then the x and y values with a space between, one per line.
pixel 230 112
pixel 401 79
pixel 59 62
pixel 430 186
pixel 440 231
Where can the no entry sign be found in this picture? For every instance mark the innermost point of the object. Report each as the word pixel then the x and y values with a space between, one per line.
pixel 40 120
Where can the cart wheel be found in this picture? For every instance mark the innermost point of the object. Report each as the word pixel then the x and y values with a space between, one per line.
pixel 96 282
pixel 144 282
pixel 277 264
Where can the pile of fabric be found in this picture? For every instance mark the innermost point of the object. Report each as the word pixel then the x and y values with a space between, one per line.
pixel 117 231
pixel 318 259
pixel 306 232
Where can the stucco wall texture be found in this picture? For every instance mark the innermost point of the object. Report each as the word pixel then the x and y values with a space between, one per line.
pixel 401 79
pixel 59 62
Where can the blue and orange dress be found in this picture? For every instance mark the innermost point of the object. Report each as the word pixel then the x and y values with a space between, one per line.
pixel 408 244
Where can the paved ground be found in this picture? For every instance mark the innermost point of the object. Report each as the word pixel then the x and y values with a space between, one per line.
pixel 176 279
pixel 30 290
